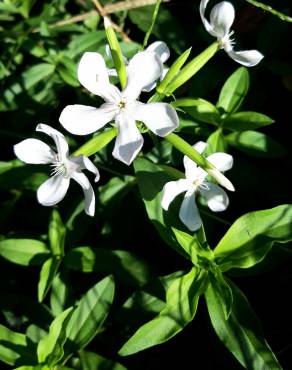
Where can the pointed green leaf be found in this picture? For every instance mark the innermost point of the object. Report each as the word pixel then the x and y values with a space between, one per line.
pixel 216 143
pixel 91 312
pixel 94 361
pixel 24 252
pixel 251 237
pixel 50 348
pixel 221 288
pixel 199 109
pixel 234 91
pixel 243 121
pixel 15 347
pixel 57 234
pixel 241 332
pixel 181 304
pixel 256 144
pixel 47 274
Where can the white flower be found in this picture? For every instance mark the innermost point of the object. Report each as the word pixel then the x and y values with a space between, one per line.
pixel 122 107
pixel 53 190
pixel 221 19
pixel 158 47
pixel 216 198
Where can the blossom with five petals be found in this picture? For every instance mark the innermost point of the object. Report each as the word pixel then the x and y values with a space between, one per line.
pixel 53 190
pixel 221 19
pixel 216 198
pixel 121 106
pixel 158 47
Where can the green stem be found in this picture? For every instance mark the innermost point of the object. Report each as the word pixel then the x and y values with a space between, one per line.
pixel 97 143
pixel 192 68
pixel 154 16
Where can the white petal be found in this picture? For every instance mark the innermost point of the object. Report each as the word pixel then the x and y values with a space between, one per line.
pixel 192 171
pixel 92 74
pixel 143 69
pixel 112 72
pixel 129 140
pixel 53 190
pixel 207 25
pixel 221 18
pixel 189 213
pixel 86 163
pixel 171 190
pixel 160 118
pixel 153 84
pixel 83 120
pixel 34 151
pixel 161 49
pixel 89 197
pixel 248 58
pixel 58 137
pixel 222 161
pixel 216 197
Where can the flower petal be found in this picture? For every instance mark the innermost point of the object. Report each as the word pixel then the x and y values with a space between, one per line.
pixel 89 197
pixel 192 171
pixel 58 137
pixel 53 190
pixel 171 190
pixel 129 140
pixel 248 58
pixel 160 118
pixel 92 74
pixel 189 213
pixel 161 49
pixel 216 197
pixel 222 161
pixel 85 163
pixel 83 120
pixel 207 25
pixel 34 151
pixel 143 69
pixel 221 18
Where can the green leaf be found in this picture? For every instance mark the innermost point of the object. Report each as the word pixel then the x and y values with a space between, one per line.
pixel 91 313
pixel 199 109
pixel 192 68
pixel 216 143
pixel 24 252
pixel 47 274
pixel 251 237
pixel 243 121
pixel 94 361
pixel 181 304
pixel 50 348
pixel 234 91
pixel 115 190
pixel 222 289
pixel 127 267
pixel 89 41
pixel 59 293
pixel 67 69
pixel 57 234
pixel 14 347
pixel 151 179
pixel 37 73
pixel 173 71
pixel 256 144
pixel 6 166
pixel 241 332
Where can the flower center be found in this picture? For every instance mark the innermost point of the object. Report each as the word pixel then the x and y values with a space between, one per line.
pixel 64 167
pixel 122 104
pixel 227 42
pixel 199 183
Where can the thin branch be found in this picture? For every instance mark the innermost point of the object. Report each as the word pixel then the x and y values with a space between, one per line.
pixel 127 5
pixel 116 27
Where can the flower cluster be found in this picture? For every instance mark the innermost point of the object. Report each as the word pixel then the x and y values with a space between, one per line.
pixel 125 110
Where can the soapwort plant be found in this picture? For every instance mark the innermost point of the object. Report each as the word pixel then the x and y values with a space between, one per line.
pixel 139 101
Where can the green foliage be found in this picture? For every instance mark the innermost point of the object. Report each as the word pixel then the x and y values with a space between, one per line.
pixel 241 332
